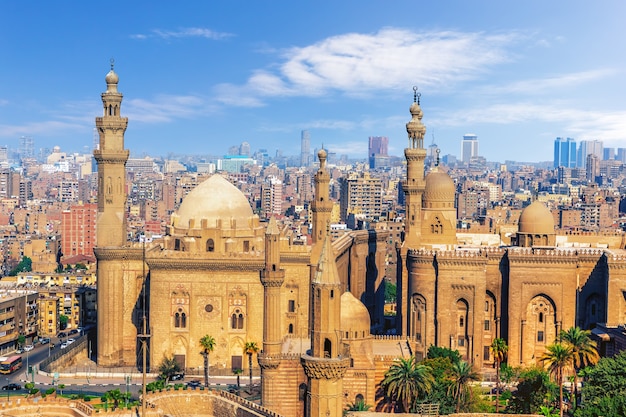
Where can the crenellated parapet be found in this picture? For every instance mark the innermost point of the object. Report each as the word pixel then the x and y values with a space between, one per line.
pixel 542 256
pixel 118 254
pixel 325 368
pixel 196 264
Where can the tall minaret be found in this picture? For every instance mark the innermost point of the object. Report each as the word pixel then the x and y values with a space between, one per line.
pixel 111 157
pixel 116 293
pixel 413 188
pixel 321 207
pixel 327 361
pixel 272 278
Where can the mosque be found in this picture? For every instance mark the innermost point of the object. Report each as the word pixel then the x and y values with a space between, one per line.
pixel 219 271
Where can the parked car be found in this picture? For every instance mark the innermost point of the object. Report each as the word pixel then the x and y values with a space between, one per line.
pixel 194 384
pixel 73 331
pixel 70 341
pixel 12 387
pixel 62 335
pixel 28 348
pixel 177 377
pixel 64 345
pixel 19 350
pixel 44 341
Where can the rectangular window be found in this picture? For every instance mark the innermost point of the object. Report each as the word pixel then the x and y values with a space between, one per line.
pixel 486 353
pixel 292 306
pixel 461 341
pixel 487 324
pixel 540 336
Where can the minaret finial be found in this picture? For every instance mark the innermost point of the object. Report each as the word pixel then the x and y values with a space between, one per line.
pixel 416 95
pixel 437 161
pixel 112 61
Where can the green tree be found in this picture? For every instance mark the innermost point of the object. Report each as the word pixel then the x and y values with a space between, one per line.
pixel 584 349
pixel 25 265
pixel 462 375
pixel 207 343
pixel 499 349
pixel 168 368
pixel 558 358
pixel 533 388
pixel 250 348
pixel 390 291
pixel 441 369
pixel 63 319
pixel 405 380
pixel 604 388
pixel 443 352
pixel 358 405
pixel 21 340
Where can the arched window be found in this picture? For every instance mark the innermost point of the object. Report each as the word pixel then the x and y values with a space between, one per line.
pixel 210 245
pixel 327 348
pixel 236 320
pixel 177 320
pixel 177 244
pixel 290 328
pixel 183 320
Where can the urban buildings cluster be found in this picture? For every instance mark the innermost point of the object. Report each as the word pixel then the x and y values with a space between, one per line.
pixel 468 243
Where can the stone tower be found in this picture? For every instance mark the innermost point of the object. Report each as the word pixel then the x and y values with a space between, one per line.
pixel 111 157
pixel 413 188
pixel 326 363
pixel 321 207
pixel 272 278
pixel 119 267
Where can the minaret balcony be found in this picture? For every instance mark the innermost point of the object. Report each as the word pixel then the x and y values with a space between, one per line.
pixel 325 368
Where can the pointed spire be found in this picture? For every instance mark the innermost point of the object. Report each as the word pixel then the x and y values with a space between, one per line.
pixel 327 272
pixel 272 227
pixel 415 129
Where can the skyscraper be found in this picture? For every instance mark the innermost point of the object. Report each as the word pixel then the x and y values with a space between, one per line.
pixel 469 147
pixel 305 148
pixel 589 147
pixel 564 153
pixel 378 151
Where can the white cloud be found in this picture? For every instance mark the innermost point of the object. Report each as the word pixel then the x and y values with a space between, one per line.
pixel 166 108
pixel 359 64
pixel 47 128
pixel 549 84
pixel 183 33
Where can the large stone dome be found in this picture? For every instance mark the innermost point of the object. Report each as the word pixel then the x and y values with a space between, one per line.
pixel 439 188
pixel 213 200
pixel 355 319
pixel 536 219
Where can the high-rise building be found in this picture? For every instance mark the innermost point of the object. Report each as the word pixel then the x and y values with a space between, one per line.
pixel 378 151
pixel 360 195
pixel 469 147
pixel 78 225
pixel 244 149
pixel 27 147
pixel 593 167
pixel 271 197
pixel 305 148
pixel 589 147
pixel 608 153
pixel 564 152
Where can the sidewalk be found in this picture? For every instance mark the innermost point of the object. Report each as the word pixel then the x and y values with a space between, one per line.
pixel 88 373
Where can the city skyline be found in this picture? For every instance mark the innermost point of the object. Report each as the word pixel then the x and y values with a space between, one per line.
pixel 213 75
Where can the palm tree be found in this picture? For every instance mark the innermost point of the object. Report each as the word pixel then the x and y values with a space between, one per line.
pixel 499 350
pixel 238 372
pixel 557 358
pixel 462 375
pixel 250 348
pixel 405 380
pixel 584 349
pixel 168 367
pixel 208 344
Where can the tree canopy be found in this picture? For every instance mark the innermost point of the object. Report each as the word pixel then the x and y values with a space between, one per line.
pixel 25 265
pixel 604 387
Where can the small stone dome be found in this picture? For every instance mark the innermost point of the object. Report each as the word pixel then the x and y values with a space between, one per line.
pixel 215 199
pixel 536 219
pixel 111 78
pixel 439 188
pixel 354 316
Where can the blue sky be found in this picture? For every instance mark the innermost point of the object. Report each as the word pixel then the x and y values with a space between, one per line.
pixel 200 76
